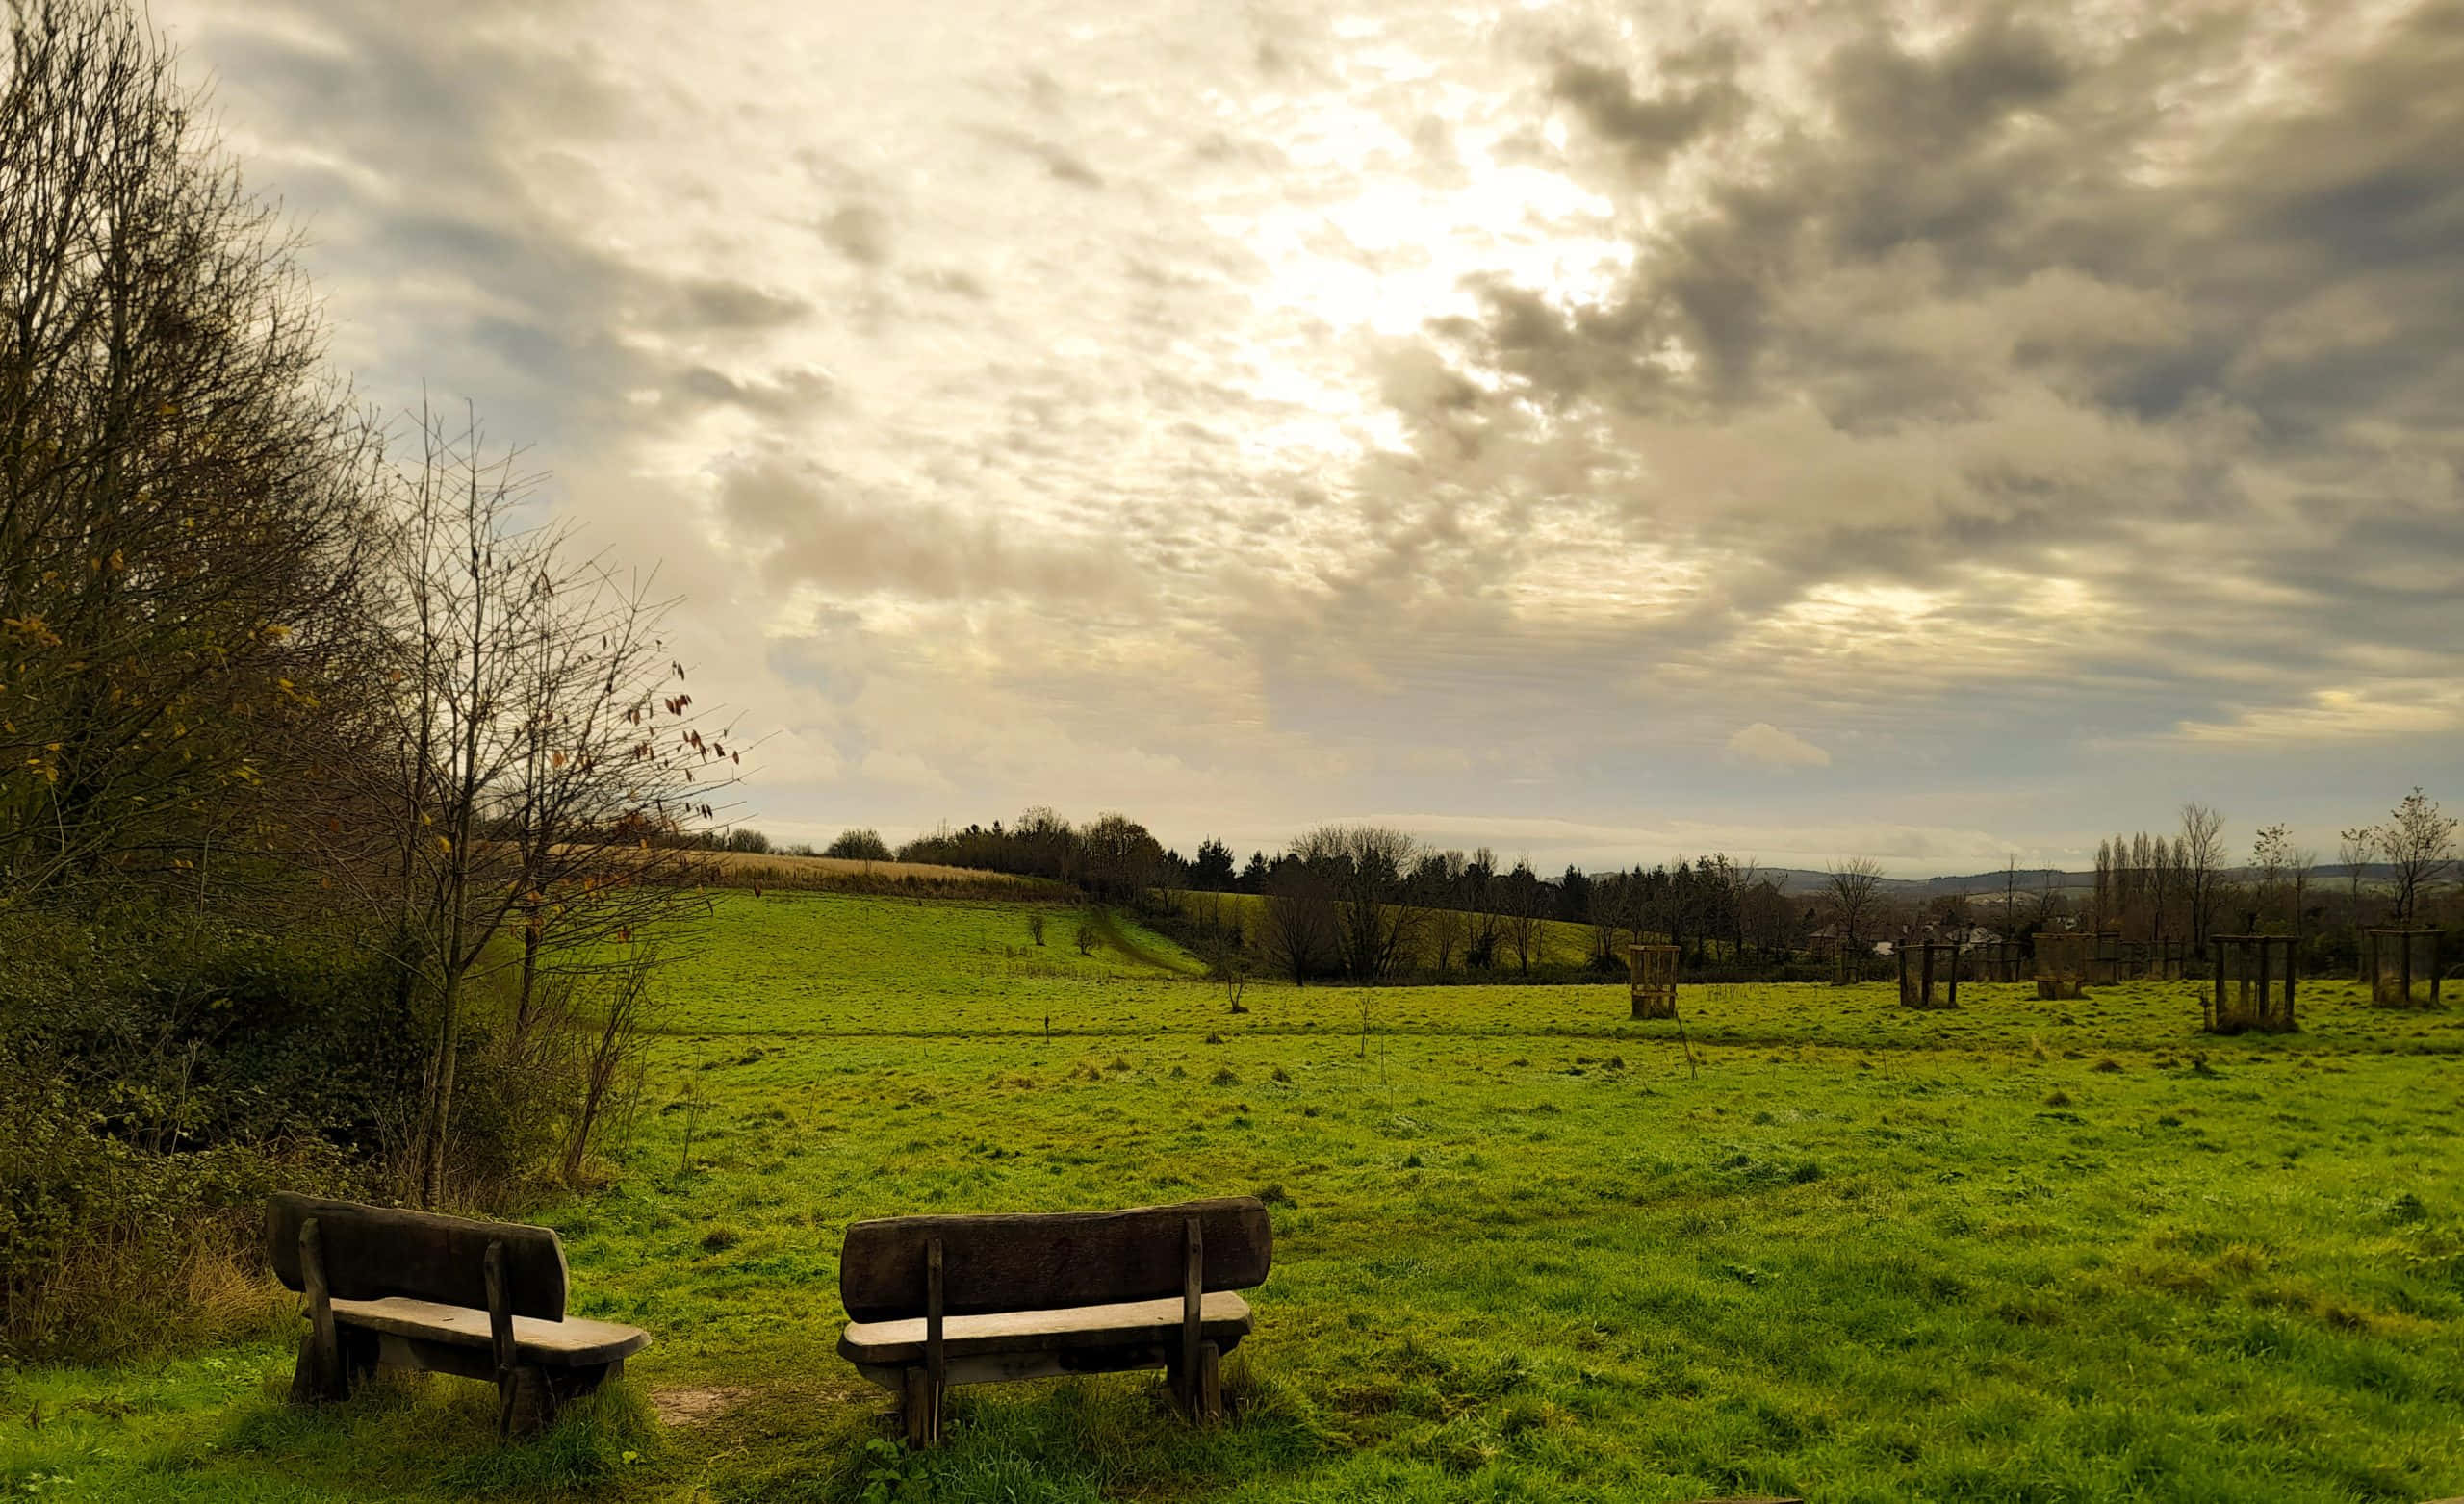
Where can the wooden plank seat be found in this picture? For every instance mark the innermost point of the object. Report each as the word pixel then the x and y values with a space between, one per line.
pixel 934 1301
pixel 413 1290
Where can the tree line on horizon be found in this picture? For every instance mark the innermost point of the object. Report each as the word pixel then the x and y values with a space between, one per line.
pixel 1370 903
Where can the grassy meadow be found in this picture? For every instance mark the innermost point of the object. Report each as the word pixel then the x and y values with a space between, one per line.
pixel 1526 1248
pixel 1556 942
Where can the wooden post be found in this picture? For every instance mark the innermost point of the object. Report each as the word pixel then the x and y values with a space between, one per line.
pixel 1951 999
pixel 1192 1298
pixel 1210 1379
pixel 935 1367
pixel 2404 969
pixel 501 1337
pixel 916 1406
pixel 2288 969
pixel 1928 980
pixel 320 1375
pixel 2216 1009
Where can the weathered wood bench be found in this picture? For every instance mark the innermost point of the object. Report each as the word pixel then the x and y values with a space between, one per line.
pixel 934 1301
pixel 484 1300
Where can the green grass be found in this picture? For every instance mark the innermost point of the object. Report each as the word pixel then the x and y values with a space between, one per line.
pixel 1526 1248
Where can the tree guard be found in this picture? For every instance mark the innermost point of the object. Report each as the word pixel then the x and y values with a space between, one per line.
pixel 1931 960
pixel 2105 962
pixel 2254 990
pixel 2399 964
pixel 1653 971
pixel 2062 962
pixel 1991 961
pixel 2156 960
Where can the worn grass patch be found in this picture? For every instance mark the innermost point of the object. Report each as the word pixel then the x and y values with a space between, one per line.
pixel 1526 1248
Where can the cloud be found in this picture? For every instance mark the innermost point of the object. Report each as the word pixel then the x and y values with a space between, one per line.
pixel 811 527
pixel 1765 746
pixel 858 232
pixel 1486 415
pixel 1650 129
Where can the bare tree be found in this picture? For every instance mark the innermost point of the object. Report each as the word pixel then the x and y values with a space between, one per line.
pixel 1482 888
pixel 1301 920
pixel 2419 842
pixel 1767 914
pixel 1526 911
pixel 1435 887
pixel 2298 865
pixel 1122 860
pixel 1368 866
pixel 2162 881
pixel 1739 877
pixel 2200 850
pixel 1853 888
pixel 2354 849
pixel 613 1050
pixel 545 757
pixel 2271 858
pixel 1601 907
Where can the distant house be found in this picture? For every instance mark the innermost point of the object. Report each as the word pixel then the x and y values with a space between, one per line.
pixel 1828 941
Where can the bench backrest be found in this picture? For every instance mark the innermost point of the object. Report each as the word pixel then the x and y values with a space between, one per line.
pixel 1051 1260
pixel 370 1253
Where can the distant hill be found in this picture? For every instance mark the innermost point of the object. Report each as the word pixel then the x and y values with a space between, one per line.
pixel 2033 880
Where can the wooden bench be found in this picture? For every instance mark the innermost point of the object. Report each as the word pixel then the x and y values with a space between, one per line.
pixel 484 1300
pixel 934 1301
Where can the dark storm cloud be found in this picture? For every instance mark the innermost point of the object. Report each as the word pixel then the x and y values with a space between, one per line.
pixel 2006 191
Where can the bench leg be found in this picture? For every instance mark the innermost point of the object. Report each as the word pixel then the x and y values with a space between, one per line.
pixel 318 1377
pixel 921 1408
pixel 310 1382
pixel 1198 1395
pixel 525 1402
pixel 536 1394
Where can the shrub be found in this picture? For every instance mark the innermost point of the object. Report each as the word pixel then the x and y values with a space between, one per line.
pixel 159 1078
pixel 858 845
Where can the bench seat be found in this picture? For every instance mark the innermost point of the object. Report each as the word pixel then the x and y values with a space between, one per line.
pixel 571 1342
pixel 1224 1319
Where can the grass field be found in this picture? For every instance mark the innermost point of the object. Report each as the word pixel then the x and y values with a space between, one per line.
pixel 779 870
pixel 1527 1249
pixel 1558 943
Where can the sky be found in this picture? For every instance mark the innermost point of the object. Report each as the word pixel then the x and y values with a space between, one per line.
pixel 1599 431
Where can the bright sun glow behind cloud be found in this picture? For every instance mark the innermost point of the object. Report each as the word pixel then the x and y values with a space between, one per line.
pixel 1553 420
